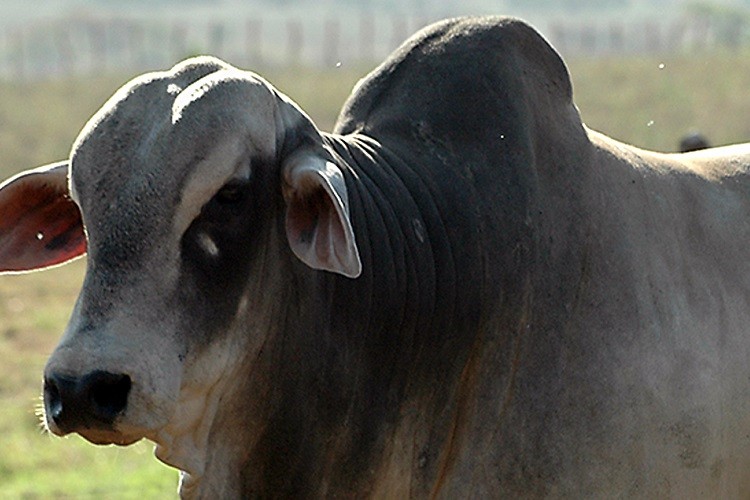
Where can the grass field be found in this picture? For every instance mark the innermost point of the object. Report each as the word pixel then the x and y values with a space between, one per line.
pixel 652 101
pixel 631 99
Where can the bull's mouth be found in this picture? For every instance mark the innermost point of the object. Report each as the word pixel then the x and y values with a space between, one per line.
pixel 99 436
pixel 108 437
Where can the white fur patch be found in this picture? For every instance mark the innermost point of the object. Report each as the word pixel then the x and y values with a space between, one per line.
pixel 207 178
pixel 173 89
pixel 208 244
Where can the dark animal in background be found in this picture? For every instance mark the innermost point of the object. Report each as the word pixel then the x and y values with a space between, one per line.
pixel 693 141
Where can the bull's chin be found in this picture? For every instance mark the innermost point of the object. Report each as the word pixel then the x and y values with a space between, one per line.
pixel 100 437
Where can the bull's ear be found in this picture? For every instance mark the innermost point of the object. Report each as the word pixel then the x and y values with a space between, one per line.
pixel 40 226
pixel 318 226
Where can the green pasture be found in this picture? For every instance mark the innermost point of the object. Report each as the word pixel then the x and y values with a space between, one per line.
pixel 648 101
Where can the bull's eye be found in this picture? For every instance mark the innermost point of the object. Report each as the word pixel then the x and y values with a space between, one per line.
pixel 232 193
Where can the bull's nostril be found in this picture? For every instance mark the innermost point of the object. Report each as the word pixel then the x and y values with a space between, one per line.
pixel 93 401
pixel 61 400
pixel 107 394
pixel 52 399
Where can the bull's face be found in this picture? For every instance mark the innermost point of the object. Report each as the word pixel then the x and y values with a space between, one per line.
pixel 196 188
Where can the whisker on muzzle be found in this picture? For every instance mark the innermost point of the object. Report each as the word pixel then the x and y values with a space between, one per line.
pixel 40 413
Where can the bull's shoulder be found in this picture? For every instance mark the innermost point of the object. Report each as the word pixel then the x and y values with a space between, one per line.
pixel 458 74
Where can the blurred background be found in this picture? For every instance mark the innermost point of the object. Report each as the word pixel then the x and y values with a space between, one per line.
pixel 646 72
pixel 81 37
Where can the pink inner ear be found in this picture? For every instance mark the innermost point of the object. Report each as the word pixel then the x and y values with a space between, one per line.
pixel 310 216
pixel 39 227
pixel 317 216
pixel 302 217
pixel 315 231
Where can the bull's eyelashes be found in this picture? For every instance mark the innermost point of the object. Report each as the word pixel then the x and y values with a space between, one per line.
pixel 221 223
pixel 236 190
pixel 233 192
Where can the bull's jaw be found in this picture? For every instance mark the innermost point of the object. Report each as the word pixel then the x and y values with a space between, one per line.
pixel 185 444
pixel 186 447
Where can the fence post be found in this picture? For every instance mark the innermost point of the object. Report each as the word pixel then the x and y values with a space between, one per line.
pixel 675 37
pixel 178 42
pixel 589 39
pixel 331 36
pixel 616 37
pixel 97 45
pixel 18 49
pixel 216 39
pixel 366 37
pixel 653 37
pixel 294 42
pixel 558 36
pixel 731 33
pixel 65 52
pixel 701 33
pixel 254 41
pixel 135 42
pixel 399 33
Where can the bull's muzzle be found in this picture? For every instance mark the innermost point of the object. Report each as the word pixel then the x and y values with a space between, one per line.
pixel 93 401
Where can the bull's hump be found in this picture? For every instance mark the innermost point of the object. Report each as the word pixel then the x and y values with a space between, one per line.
pixel 452 64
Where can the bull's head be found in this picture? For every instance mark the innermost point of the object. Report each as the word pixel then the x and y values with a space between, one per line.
pixel 192 191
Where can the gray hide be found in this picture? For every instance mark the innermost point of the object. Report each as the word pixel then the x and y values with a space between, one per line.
pixel 462 292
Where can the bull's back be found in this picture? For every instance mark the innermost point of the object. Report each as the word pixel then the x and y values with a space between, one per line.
pixel 661 329
pixel 610 350
pixel 625 369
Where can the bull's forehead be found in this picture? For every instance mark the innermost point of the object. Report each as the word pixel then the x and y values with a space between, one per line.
pixel 120 138
pixel 134 160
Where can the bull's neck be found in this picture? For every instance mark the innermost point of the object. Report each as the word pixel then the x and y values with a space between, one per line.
pixel 361 365
pixel 398 334
pixel 413 252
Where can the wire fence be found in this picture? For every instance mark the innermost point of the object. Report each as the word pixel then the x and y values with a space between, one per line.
pixel 87 46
